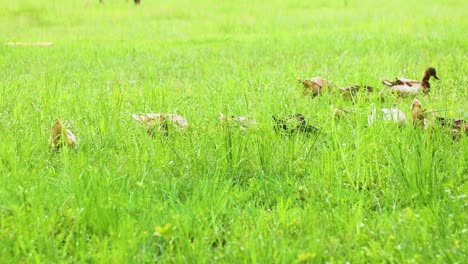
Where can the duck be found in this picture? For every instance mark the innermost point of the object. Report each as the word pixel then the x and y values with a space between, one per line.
pixel 350 92
pixel 425 118
pixel 457 125
pixel 60 136
pixel 244 121
pixel 393 115
pixel 418 114
pixel 315 85
pixel 151 120
pixel 405 87
pixel 293 124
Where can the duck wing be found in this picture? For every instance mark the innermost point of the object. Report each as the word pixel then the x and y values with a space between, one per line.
pixel 401 81
pixel 408 82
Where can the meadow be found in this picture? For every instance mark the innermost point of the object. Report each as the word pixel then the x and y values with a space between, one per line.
pixel 352 193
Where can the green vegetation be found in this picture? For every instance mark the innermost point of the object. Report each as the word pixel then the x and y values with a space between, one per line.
pixel 350 193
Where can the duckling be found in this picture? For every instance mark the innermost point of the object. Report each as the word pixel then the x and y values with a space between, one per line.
pixel 243 121
pixel 293 124
pixel 161 120
pixel 405 87
pixel 60 136
pixel 315 85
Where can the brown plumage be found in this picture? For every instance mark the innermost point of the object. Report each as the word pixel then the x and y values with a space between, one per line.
pixel 350 92
pixel 421 117
pixel 318 85
pixel 60 136
pixel 418 114
pixel 315 85
pixel 457 125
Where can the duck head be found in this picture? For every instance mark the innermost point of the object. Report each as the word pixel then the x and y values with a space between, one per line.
pixel 427 75
pixel 430 72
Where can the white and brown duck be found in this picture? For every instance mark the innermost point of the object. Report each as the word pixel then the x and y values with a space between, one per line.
pixel 60 136
pixel 405 87
pixel 161 122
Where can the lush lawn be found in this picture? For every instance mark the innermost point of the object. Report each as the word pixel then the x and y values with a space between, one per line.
pixel 349 193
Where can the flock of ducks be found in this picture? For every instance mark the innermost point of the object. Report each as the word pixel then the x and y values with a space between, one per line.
pixel 60 136
pixel 402 86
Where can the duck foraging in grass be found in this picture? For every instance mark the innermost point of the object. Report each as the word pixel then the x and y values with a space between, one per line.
pixel 318 85
pixel 458 126
pixel 243 121
pixel 350 92
pixel 418 114
pixel 60 136
pixel 293 124
pixel 315 85
pixel 406 87
pixel 162 122
pixel 424 118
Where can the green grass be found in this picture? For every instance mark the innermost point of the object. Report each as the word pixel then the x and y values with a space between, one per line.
pixel 351 193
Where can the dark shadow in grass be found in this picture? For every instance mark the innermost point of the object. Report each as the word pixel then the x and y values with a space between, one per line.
pixel 293 124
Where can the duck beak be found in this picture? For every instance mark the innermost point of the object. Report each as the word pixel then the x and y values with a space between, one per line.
pixel 435 76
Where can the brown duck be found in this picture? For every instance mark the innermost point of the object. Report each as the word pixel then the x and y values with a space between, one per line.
pixel 350 92
pixel 421 116
pixel 60 136
pixel 418 114
pixel 315 85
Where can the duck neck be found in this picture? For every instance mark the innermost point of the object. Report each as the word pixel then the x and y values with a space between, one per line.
pixel 425 80
pixel 426 85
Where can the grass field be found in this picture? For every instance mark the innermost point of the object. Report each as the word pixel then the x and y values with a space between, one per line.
pixel 351 193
